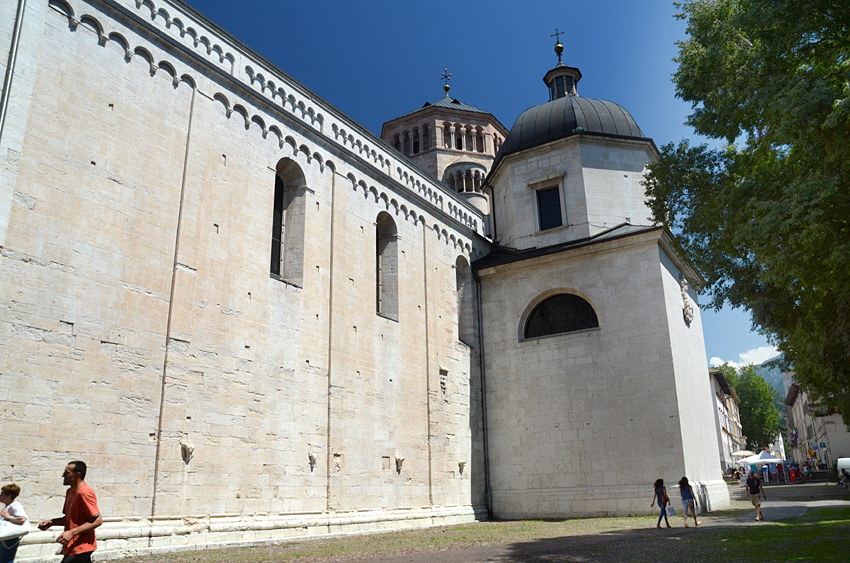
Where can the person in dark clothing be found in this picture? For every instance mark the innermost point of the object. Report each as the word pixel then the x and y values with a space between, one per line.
pixel 661 496
pixel 754 486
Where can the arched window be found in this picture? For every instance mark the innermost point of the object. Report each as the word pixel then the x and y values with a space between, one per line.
pixel 290 192
pixel 386 266
pixel 559 314
pixel 426 137
pixel 416 134
pixel 466 309
pixel 479 140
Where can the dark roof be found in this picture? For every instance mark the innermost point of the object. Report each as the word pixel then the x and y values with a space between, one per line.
pixel 446 102
pixel 563 117
pixel 452 103
pixel 503 255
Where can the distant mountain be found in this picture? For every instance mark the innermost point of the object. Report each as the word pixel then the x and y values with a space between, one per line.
pixel 771 372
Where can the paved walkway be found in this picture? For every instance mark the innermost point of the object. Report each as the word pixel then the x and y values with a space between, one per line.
pixel 778 509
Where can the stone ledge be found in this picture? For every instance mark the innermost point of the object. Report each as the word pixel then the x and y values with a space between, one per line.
pixel 135 537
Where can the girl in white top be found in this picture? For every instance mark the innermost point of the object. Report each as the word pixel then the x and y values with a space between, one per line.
pixel 14 513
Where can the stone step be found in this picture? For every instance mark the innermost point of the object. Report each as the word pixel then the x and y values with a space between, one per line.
pixel 804 491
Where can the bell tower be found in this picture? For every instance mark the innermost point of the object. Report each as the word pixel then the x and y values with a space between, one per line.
pixel 454 142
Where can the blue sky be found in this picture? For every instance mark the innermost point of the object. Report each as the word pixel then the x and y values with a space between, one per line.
pixel 376 60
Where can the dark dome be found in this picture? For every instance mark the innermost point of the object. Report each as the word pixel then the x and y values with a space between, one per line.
pixel 559 118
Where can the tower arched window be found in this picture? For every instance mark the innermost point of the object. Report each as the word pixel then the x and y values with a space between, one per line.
pixel 560 314
pixel 288 222
pixel 415 135
pixel 426 137
pixel 386 266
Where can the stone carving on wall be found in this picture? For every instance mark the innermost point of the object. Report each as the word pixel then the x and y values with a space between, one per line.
pixel 687 307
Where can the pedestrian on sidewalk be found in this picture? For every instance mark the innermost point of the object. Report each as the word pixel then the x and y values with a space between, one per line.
pixel 754 486
pixel 689 503
pixel 661 496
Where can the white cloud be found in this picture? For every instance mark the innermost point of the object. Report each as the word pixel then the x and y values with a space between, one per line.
pixel 715 361
pixel 755 357
pixel 759 355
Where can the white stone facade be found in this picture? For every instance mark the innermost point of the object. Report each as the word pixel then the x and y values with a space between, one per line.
pixel 144 333
pixel 580 422
pixel 221 401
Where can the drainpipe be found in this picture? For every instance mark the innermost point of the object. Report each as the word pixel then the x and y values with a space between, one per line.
pixel 488 493
pixel 10 66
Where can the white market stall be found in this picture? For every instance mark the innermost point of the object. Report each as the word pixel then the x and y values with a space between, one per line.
pixel 764 458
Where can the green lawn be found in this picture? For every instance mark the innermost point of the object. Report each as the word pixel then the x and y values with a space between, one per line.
pixel 819 535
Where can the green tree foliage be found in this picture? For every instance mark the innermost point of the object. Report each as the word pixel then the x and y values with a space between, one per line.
pixel 766 218
pixel 759 416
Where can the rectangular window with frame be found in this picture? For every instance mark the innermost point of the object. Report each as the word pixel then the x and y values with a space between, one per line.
pixel 549 208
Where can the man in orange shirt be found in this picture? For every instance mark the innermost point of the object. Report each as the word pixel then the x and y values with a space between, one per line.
pixel 81 516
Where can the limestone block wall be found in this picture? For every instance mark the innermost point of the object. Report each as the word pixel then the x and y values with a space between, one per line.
pixel 612 171
pixel 582 423
pixel 695 398
pixel 142 329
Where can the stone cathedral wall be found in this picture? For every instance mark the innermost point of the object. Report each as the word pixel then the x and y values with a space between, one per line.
pixel 143 333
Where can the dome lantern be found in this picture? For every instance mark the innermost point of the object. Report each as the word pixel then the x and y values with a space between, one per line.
pixel 562 79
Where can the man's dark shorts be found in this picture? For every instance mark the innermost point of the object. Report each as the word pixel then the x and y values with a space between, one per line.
pixel 78 558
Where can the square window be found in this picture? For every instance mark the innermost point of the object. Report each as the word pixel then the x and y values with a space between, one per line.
pixel 549 208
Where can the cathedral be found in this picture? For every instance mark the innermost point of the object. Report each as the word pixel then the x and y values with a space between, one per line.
pixel 256 320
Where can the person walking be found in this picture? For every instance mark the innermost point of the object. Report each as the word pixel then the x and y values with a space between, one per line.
pixel 661 496
pixel 754 486
pixel 13 512
pixel 688 501
pixel 81 516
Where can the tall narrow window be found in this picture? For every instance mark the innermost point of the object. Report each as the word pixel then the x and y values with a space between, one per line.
pixel 290 193
pixel 386 266
pixel 466 309
pixel 549 208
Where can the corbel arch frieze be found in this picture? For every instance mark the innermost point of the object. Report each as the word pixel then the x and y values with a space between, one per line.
pixel 103 37
pixel 65 9
pixel 160 17
pixel 91 23
pixel 385 199
pixel 348 139
pixel 122 41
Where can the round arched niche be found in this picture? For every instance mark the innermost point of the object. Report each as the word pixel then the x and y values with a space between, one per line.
pixel 559 313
